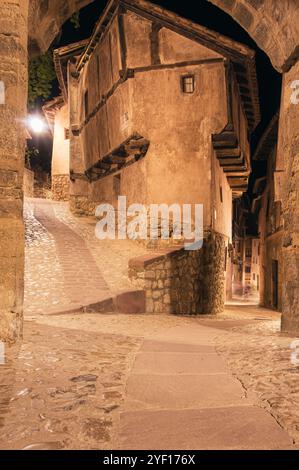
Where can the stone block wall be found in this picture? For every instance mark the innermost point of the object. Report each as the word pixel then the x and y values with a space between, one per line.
pixel 82 206
pixel 183 282
pixel 288 160
pixel 61 187
pixel 13 109
pixel 28 183
pixel 272 250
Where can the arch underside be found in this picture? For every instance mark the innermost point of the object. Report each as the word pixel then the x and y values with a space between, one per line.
pixel 274 29
pixel 46 18
pixel 273 25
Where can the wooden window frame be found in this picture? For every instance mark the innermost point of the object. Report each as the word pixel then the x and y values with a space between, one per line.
pixel 184 84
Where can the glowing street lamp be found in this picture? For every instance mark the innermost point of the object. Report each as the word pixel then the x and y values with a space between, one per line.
pixel 36 124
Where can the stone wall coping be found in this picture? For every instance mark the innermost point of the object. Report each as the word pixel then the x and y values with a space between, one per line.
pixel 148 259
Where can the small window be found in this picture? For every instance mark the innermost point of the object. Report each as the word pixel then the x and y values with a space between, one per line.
pixel 86 103
pixel 253 276
pixel 188 84
pixel 66 134
pixel 221 194
pixel 248 269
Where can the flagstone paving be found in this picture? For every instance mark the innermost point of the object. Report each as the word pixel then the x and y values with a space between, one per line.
pixel 190 400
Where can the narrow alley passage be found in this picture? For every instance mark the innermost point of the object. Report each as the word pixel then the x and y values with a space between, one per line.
pixel 107 381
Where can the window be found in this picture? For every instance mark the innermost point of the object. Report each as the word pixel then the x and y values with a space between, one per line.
pixel 253 276
pixel 221 194
pixel 248 269
pixel 86 103
pixel 188 84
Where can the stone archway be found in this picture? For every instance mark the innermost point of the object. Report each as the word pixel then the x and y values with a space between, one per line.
pixel 46 18
pixel 273 24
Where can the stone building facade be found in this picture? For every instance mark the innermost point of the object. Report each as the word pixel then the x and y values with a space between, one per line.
pixel 250 277
pixel 245 250
pixel 160 110
pixel 56 112
pixel 255 266
pixel 267 205
pixel 240 211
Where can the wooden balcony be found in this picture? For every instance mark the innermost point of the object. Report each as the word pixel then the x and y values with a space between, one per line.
pixel 129 152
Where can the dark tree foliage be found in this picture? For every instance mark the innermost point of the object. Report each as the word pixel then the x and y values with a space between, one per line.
pixel 31 155
pixel 41 77
pixel 75 20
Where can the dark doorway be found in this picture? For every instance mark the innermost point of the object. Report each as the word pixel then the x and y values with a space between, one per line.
pixel 275 283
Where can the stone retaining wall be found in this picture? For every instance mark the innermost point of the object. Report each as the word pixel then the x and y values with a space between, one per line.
pixel 183 282
pixel 82 206
pixel 61 187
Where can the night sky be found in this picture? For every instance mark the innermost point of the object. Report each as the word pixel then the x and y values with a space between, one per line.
pixel 210 16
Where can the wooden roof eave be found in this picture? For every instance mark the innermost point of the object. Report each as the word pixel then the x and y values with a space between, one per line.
pixel 61 56
pixel 98 31
pixel 59 73
pixel 50 109
pixel 211 39
pixel 268 140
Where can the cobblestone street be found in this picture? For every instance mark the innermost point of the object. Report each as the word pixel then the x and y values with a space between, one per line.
pixel 106 381
pixel 66 266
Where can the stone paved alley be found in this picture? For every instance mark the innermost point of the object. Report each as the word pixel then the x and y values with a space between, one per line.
pixel 105 381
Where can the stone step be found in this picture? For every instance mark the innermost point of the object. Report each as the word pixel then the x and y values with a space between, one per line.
pixel 123 302
pixel 233 427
